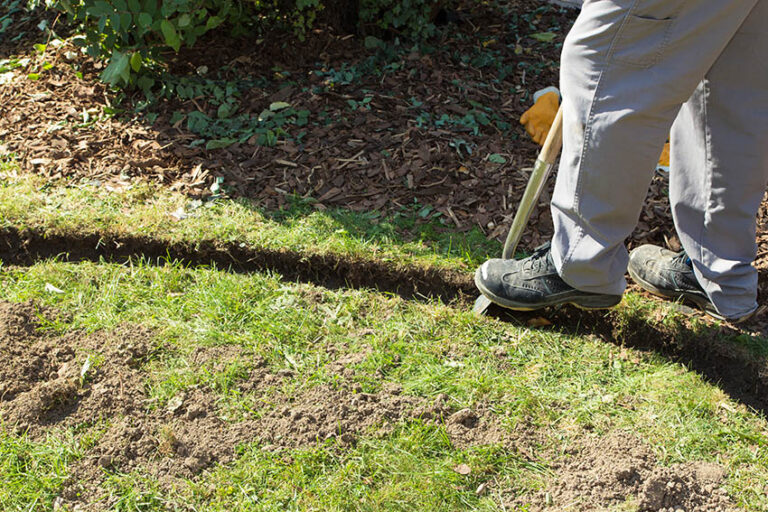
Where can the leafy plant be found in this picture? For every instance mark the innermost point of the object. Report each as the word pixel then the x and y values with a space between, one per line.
pixel 266 129
pixel 473 121
pixel 14 12
pixel 364 104
pixel 411 18
pixel 133 34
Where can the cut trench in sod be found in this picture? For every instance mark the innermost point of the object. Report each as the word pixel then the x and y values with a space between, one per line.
pixel 707 349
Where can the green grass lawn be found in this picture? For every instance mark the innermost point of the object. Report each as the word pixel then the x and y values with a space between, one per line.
pixel 146 210
pixel 563 386
pixel 554 386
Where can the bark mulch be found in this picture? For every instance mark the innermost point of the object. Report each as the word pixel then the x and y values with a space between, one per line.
pixel 379 156
pixel 436 130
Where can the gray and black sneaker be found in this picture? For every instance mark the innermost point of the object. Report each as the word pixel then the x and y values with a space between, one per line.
pixel 533 283
pixel 670 274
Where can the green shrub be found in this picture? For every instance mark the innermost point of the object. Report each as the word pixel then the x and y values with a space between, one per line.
pixel 133 34
pixel 410 18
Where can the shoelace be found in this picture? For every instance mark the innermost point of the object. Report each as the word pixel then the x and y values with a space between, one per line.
pixel 538 259
pixel 682 258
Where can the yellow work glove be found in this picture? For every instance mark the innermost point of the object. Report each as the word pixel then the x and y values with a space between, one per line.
pixel 664 159
pixel 539 118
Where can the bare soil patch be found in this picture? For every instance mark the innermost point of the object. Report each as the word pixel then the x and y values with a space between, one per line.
pixel 603 472
pixel 323 413
pixel 49 382
pixel 97 380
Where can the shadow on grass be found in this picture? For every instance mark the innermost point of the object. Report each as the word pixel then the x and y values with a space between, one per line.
pixel 726 356
pixel 733 359
pixel 410 224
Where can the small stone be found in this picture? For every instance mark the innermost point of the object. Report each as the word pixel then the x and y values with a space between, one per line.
pixel 194 464
pixel 64 370
pixel 175 403
pixel 106 461
pixel 195 411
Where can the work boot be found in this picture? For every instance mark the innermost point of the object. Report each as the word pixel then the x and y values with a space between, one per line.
pixel 670 274
pixel 533 283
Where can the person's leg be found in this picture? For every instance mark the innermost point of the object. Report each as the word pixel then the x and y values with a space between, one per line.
pixel 719 168
pixel 627 67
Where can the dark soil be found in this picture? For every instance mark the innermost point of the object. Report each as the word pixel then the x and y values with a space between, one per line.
pixel 606 471
pixel 24 31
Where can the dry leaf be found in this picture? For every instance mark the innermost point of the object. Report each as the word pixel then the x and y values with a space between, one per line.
pixel 463 469
pixel 52 289
pixel 538 321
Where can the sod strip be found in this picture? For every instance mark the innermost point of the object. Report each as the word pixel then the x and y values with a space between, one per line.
pixel 138 209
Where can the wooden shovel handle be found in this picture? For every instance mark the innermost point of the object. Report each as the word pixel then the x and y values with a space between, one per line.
pixel 554 140
pixel 541 171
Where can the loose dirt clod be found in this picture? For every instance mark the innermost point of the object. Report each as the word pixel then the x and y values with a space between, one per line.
pixel 469 427
pixel 322 413
pixel 64 381
pixel 690 487
pixel 602 472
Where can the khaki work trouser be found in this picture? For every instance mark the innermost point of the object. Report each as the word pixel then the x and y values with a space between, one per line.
pixel 631 71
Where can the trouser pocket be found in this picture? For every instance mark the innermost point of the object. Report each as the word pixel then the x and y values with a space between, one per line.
pixel 641 40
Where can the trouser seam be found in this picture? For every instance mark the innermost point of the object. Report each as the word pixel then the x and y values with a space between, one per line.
pixel 708 168
pixel 631 9
pixel 703 255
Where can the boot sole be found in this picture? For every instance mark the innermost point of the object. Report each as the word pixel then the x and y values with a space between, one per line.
pixel 595 303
